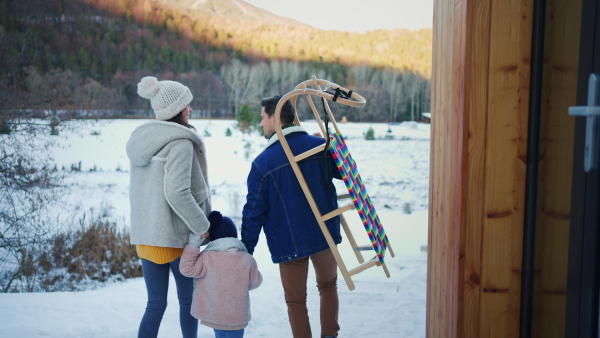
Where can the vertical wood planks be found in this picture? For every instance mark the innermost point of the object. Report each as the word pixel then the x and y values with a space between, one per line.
pixel 479 50
pixel 442 264
pixel 480 99
pixel 505 168
pixel 458 163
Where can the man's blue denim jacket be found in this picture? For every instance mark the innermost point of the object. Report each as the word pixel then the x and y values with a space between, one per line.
pixel 277 205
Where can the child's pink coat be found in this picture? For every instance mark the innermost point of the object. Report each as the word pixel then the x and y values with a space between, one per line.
pixel 224 273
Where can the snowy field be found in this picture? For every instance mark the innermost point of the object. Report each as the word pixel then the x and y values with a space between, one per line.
pixel 394 168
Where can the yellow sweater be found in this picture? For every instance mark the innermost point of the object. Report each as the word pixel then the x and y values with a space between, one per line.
pixel 158 254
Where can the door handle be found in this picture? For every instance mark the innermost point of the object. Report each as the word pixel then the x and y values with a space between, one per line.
pixel 592 114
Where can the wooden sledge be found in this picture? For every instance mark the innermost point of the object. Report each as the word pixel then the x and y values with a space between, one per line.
pixel 360 199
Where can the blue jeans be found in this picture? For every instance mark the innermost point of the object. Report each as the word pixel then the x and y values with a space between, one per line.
pixel 156 277
pixel 229 334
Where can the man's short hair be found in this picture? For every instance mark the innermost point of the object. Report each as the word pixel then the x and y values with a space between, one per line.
pixel 287 111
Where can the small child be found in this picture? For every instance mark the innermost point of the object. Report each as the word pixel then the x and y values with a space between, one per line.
pixel 223 274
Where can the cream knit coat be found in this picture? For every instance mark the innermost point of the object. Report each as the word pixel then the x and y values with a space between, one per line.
pixel 169 192
pixel 224 273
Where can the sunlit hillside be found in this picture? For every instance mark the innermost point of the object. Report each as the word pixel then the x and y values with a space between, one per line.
pixel 90 54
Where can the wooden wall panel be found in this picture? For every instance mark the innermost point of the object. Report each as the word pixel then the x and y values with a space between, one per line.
pixel 478 35
pixel 477 179
pixel 480 101
pixel 436 302
pixel 459 188
pixel 505 168
pixel 445 179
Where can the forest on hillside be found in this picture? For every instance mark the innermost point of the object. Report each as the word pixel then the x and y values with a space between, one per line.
pixel 87 56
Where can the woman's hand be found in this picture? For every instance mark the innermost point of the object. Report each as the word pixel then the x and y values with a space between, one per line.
pixel 194 240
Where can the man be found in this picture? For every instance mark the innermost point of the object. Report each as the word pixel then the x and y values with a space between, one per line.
pixel 277 205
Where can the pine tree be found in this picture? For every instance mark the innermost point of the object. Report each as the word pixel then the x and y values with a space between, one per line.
pixel 245 119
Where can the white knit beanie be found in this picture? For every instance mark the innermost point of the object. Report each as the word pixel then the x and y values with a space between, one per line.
pixel 168 98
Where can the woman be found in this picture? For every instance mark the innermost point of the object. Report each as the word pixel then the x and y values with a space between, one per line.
pixel 169 197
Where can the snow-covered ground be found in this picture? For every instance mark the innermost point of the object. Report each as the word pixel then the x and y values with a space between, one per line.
pixel 394 168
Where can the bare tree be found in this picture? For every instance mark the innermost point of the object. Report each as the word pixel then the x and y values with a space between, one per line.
pixel 413 84
pixel 238 79
pixel 29 195
pixel 362 76
pixel 289 76
pixel 29 181
pixel 392 85
pixel 262 79
pixel 425 96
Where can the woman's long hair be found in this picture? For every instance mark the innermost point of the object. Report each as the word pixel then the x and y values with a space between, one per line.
pixel 179 119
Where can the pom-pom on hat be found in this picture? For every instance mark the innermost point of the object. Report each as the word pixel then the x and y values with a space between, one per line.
pixel 168 98
pixel 221 226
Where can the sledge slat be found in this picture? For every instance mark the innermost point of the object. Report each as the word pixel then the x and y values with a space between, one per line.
pixel 389 247
pixel 309 153
pixel 343 196
pixel 364 266
pixel 338 211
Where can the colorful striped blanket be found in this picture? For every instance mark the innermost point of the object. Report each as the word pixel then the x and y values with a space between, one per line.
pixel 359 195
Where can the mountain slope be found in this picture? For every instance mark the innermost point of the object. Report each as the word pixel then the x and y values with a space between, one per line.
pixel 230 9
pixel 91 53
